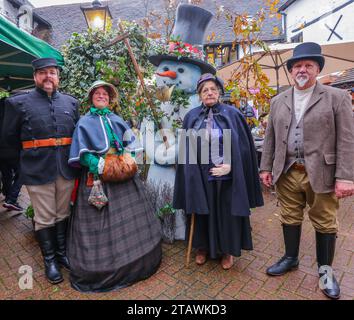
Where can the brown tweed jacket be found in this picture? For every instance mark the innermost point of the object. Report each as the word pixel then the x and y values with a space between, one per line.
pixel 328 137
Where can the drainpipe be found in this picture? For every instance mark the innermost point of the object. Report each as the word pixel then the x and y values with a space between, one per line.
pixel 284 15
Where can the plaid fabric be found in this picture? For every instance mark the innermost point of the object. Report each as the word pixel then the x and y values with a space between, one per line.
pixel 124 231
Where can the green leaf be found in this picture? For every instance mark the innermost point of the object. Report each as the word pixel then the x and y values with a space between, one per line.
pixel 29 213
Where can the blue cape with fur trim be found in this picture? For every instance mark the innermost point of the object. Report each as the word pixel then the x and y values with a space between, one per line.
pixel 90 135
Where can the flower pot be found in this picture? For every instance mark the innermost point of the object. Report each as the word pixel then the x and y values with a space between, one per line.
pixel 168 228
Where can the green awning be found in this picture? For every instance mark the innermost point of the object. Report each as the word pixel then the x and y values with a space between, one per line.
pixel 17 49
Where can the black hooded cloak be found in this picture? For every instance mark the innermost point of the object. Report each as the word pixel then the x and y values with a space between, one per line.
pixel 190 193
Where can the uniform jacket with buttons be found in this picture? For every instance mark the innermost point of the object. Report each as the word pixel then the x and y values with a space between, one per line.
pixel 32 116
pixel 328 137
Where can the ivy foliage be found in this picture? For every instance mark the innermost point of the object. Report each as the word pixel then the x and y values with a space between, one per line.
pixel 90 57
pixel 4 94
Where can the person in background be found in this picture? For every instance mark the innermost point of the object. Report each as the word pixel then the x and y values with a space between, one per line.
pixel 258 134
pixel 9 168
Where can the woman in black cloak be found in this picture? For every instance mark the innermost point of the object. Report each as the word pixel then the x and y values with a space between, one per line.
pixel 219 181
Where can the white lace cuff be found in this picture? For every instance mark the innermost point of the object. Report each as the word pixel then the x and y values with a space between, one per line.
pixel 100 165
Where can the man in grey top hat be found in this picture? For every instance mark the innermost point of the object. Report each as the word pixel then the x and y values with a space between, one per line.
pixel 41 122
pixel 308 153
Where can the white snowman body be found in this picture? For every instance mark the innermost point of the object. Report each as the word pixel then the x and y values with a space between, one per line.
pixel 183 76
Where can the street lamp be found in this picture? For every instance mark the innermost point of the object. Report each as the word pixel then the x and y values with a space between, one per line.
pixel 96 15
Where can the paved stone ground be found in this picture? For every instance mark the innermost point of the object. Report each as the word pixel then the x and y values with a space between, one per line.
pixel 246 280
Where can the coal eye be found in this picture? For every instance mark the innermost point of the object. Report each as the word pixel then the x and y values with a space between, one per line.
pixel 180 70
pixel 165 69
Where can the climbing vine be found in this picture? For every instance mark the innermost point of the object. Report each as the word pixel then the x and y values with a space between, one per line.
pixel 89 56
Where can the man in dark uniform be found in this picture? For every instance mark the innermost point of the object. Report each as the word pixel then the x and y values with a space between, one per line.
pixel 42 122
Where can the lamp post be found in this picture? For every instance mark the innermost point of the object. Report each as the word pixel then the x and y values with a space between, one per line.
pixel 96 15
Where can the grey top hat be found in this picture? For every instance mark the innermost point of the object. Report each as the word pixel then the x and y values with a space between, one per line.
pixel 307 50
pixel 190 26
pixel 191 23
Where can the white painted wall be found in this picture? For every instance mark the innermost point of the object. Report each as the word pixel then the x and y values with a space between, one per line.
pixel 6 9
pixel 303 11
pixel 10 12
pixel 26 21
pixel 253 48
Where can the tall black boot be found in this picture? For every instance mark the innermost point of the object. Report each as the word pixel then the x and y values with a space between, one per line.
pixel 290 260
pixel 47 242
pixel 61 228
pixel 325 248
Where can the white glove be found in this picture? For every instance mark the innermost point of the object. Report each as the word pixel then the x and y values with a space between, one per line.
pixel 100 165
pixel 220 170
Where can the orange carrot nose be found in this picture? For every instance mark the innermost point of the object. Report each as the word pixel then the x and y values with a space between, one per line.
pixel 170 74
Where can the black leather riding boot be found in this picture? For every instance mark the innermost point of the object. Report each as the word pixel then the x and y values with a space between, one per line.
pixel 290 260
pixel 61 228
pixel 325 248
pixel 47 242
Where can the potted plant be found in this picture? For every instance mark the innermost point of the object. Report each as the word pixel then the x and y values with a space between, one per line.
pixel 29 213
pixel 161 199
pixel 167 217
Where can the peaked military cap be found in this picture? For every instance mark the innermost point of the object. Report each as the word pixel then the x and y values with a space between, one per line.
pixel 44 63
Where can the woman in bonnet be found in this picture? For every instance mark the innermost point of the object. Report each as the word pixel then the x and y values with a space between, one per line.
pixel 119 244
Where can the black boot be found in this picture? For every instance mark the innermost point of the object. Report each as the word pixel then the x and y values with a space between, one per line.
pixel 325 247
pixel 61 228
pixel 290 260
pixel 47 242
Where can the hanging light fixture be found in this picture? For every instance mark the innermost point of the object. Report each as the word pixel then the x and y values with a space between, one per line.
pixel 96 15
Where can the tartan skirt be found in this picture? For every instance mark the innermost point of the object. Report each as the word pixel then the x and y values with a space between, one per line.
pixel 116 246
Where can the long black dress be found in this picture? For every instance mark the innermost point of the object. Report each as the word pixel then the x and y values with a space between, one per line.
pixel 219 232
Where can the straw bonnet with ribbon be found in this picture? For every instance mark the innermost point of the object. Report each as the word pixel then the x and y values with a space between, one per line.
pixel 307 51
pixel 186 44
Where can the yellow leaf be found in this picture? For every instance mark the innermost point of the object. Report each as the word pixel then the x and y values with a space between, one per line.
pixel 154 35
pixel 276 31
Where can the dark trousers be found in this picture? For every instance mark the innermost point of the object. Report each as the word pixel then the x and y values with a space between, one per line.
pixel 10 179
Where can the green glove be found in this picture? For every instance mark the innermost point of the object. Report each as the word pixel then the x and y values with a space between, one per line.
pixel 91 161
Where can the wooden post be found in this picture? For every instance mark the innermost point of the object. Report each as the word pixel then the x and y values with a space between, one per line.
pixel 125 37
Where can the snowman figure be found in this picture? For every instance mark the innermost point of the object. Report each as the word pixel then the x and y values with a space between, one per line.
pixel 179 68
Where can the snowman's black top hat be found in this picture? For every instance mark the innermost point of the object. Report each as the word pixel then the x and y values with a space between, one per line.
pixel 190 26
